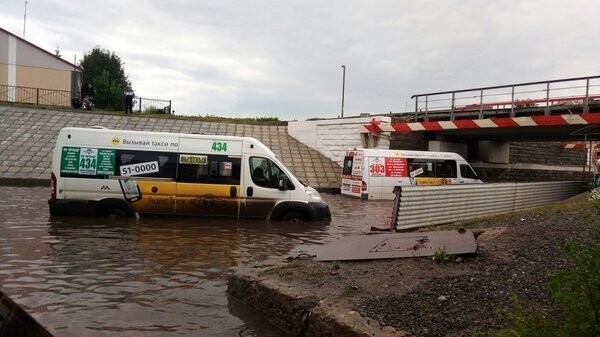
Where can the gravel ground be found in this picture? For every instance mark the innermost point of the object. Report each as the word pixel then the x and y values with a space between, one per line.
pixel 468 296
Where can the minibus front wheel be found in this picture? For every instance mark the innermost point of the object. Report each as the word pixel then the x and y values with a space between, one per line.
pixel 113 212
pixel 294 216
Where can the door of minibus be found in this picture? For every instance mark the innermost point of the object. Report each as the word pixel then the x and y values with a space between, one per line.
pixel 261 186
pixel 208 177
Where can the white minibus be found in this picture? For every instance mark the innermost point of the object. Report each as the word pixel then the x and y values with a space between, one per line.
pixel 104 172
pixel 373 173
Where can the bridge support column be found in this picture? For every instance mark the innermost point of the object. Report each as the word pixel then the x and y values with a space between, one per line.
pixel 442 146
pixel 494 152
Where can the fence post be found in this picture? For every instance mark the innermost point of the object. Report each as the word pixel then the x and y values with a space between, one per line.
pixel 37 96
pixel 547 110
pixel 416 108
pixel 140 105
pixel 586 105
pixel 481 104
pixel 512 101
pixel 452 107
pixel 170 111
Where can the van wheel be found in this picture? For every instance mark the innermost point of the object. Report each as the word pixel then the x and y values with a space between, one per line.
pixel 294 217
pixel 113 212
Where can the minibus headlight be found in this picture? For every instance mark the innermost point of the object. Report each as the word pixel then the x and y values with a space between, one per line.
pixel 313 193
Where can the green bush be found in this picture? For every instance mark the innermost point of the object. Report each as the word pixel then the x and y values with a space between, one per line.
pixel 575 291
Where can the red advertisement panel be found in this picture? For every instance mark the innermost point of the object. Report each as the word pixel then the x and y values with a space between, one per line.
pixel 395 167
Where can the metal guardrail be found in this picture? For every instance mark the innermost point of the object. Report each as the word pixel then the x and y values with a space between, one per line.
pixel 51 97
pixel 420 206
pixel 37 96
pixel 153 106
pixel 577 93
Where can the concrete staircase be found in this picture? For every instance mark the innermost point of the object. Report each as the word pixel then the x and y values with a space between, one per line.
pixel 27 139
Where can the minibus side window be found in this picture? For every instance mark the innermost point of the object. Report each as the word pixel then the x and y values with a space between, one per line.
pixel 264 172
pixel 445 169
pixel 466 171
pixel 426 165
pixel 348 161
pixel 145 164
pixel 208 169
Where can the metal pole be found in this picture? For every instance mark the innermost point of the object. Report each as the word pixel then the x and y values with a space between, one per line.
pixel 512 101
pixel 426 119
pixel 416 108
pixel 24 18
pixel 586 106
pixel 547 111
pixel 481 104
pixel 452 107
pixel 343 87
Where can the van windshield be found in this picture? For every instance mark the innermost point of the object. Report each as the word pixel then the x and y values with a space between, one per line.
pixel 466 171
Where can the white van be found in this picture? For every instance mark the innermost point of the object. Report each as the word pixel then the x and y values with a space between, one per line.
pixel 104 172
pixel 373 173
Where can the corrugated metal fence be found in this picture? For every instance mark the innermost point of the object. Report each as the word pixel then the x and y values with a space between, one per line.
pixel 419 206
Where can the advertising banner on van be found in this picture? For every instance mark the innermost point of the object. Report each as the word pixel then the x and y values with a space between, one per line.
pixel 87 161
pixel 388 167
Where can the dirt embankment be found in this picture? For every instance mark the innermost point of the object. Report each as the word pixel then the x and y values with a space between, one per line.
pixel 471 295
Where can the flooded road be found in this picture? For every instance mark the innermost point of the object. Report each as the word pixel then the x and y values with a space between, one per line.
pixel 150 277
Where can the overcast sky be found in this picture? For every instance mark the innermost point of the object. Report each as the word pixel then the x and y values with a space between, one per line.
pixel 277 58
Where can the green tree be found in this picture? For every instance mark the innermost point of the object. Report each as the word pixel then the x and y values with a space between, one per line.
pixel 104 70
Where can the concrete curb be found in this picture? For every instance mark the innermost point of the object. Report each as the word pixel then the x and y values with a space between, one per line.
pixel 24 182
pixel 300 313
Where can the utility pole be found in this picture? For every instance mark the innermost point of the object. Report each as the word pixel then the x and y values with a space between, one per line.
pixel 343 87
pixel 24 18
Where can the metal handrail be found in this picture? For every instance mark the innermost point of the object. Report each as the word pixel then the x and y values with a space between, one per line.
pixel 513 101
pixel 508 86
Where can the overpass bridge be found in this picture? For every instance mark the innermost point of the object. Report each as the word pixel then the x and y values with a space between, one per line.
pixel 558 110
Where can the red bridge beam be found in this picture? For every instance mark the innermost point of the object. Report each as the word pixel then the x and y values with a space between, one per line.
pixel 509 122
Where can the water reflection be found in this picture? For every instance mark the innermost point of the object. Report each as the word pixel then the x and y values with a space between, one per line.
pixel 151 277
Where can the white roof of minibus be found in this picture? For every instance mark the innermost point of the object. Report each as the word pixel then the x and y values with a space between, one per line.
pixel 257 143
pixel 408 154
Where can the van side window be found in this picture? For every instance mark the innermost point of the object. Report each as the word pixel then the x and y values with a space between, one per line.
pixel 425 165
pixel 208 169
pixel 264 172
pixel 466 171
pixel 445 169
pixel 348 161
pixel 145 164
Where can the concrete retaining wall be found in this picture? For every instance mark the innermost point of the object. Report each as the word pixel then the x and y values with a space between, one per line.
pixel 27 138
pixel 299 312
pixel 332 137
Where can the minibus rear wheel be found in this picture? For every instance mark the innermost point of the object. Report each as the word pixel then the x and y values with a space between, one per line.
pixel 294 216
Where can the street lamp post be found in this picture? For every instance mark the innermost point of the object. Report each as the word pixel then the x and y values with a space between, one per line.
pixel 343 87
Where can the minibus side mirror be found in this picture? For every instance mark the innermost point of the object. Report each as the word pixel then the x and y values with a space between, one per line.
pixel 284 183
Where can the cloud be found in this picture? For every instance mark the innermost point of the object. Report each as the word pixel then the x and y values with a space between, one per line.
pixel 273 58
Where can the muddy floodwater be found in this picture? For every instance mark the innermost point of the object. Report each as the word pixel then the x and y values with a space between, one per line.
pixel 149 277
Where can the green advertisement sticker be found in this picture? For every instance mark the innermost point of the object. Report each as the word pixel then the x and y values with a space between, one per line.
pixel 87 161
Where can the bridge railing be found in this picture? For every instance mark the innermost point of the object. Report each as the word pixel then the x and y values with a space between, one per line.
pixel 574 95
